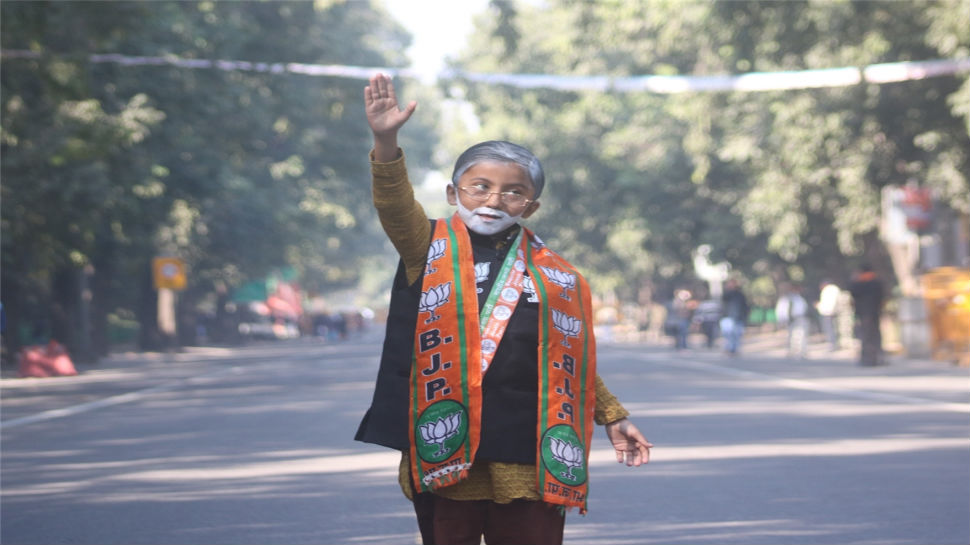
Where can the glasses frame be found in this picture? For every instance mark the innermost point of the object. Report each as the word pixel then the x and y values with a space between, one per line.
pixel 502 195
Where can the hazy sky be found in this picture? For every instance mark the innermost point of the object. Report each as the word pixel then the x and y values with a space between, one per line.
pixel 440 29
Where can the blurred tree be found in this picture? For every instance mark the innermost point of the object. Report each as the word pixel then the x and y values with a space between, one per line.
pixel 620 191
pixel 818 159
pixel 773 181
pixel 239 173
pixel 59 194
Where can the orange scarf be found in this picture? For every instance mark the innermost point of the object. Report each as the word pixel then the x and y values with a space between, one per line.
pixel 454 343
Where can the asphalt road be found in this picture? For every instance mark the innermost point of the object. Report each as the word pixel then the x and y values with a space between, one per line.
pixel 254 445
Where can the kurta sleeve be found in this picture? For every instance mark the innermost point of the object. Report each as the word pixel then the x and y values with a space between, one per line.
pixel 608 408
pixel 402 217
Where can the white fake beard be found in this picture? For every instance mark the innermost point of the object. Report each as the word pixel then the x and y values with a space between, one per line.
pixel 474 222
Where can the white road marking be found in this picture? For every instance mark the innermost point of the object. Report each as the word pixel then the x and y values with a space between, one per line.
pixel 113 400
pixel 141 394
pixel 802 384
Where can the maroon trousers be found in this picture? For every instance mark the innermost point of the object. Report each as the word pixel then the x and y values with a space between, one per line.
pixel 522 522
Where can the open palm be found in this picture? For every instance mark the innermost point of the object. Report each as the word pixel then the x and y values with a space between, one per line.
pixel 383 111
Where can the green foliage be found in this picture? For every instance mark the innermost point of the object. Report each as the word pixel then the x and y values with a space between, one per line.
pixel 770 179
pixel 239 173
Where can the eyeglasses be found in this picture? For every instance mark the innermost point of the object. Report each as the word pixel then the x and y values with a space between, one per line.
pixel 508 198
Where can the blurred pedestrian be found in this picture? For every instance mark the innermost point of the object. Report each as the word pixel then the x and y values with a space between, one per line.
pixel 494 436
pixel 736 310
pixel 657 316
pixel 827 307
pixel 707 316
pixel 867 299
pixel 682 310
pixel 782 306
pixel 792 312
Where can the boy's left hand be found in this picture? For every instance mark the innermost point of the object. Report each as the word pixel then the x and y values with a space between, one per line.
pixel 630 445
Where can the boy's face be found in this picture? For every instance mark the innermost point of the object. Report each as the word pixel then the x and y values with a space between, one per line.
pixel 493 196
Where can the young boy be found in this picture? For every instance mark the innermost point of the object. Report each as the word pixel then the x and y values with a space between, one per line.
pixel 487 382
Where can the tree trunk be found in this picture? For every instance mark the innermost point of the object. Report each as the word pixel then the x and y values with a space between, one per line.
pixel 104 270
pixel 13 292
pixel 147 312
pixel 63 307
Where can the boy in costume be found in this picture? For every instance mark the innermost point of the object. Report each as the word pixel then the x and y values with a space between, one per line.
pixel 487 383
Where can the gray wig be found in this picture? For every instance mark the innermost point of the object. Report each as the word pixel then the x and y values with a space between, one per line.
pixel 501 152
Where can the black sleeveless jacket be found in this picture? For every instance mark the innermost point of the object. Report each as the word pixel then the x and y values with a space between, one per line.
pixel 510 387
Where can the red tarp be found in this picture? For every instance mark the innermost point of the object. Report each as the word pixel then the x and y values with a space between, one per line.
pixel 51 360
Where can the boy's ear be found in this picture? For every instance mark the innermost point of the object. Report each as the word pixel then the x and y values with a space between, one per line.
pixel 531 209
pixel 451 194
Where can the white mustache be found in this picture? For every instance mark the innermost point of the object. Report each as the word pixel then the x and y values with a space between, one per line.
pixel 484 210
pixel 498 221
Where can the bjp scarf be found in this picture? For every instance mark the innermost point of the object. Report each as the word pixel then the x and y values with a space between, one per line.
pixel 454 344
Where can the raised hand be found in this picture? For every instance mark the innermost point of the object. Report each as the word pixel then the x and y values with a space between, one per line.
pixel 383 111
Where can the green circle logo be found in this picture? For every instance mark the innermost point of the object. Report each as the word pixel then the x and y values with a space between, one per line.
pixel 563 455
pixel 441 430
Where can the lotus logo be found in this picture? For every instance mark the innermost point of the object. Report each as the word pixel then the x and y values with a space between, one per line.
pixel 529 288
pixel 481 273
pixel 435 251
pixel 435 297
pixel 567 454
pixel 439 431
pixel 563 279
pixel 567 325
pixel 563 455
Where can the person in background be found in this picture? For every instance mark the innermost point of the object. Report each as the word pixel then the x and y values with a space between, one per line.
pixel 798 323
pixel 868 296
pixel 494 433
pixel 783 306
pixel 707 316
pixel 736 310
pixel 827 307
pixel 792 314
pixel 656 318
pixel 682 310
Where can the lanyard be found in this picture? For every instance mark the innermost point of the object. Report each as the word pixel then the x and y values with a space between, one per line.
pixel 501 301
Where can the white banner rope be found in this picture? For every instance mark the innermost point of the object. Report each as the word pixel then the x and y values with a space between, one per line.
pixel 755 81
